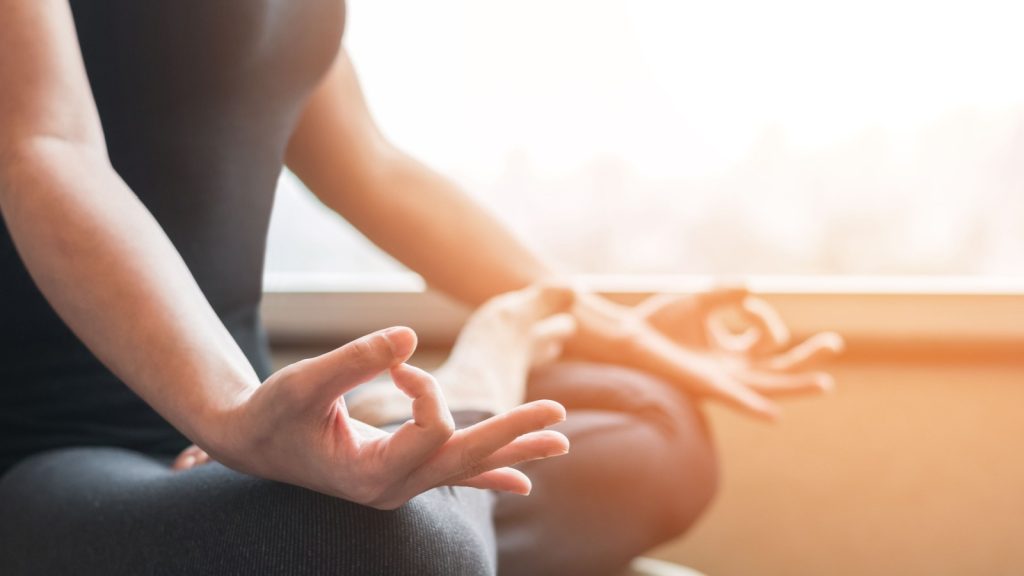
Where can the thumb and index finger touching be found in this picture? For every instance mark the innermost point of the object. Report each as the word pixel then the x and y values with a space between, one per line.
pixel 331 375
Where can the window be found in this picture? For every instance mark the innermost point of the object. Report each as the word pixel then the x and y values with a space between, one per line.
pixel 735 137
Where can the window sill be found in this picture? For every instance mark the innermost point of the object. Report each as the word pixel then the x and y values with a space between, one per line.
pixel 884 318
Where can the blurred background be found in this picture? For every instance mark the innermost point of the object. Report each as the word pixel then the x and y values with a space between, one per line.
pixel 862 161
pixel 731 137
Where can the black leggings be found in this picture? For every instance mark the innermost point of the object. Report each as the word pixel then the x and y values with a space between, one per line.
pixel 639 472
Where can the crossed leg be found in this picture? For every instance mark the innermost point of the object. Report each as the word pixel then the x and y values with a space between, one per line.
pixel 640 472
pixel 104 511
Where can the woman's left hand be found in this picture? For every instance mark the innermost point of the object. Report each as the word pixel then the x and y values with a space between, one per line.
pixel 684 339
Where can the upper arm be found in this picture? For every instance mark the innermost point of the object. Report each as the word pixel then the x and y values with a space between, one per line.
pixel 336 143
pixel 44 91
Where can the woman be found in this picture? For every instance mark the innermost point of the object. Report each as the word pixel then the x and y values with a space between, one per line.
pixel 140 143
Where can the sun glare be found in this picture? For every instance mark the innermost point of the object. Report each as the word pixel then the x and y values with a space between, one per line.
pixel 795 136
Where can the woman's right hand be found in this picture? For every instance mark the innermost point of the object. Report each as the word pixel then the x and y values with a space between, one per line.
pixel 295 428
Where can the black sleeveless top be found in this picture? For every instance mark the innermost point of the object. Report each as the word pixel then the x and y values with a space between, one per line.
pixel 198 99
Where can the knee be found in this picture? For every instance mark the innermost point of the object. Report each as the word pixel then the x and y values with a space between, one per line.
pixel 682 449
pixel 689 450
pixel 664 436
pixel 440 532
pixel 441 535
pixel 704 473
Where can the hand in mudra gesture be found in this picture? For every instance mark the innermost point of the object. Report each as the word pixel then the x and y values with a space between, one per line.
pixel 297 427
pixel 684 339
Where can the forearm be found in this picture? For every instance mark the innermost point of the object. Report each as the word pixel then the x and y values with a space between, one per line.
pixel 410 211
pixel 114 277
pixel 426 222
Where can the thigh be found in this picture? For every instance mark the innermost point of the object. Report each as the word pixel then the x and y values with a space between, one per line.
pixel 111 511
pixel 640 470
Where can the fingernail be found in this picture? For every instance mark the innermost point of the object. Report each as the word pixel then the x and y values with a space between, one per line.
pixel 189 462
pixel 399 341
pixel 388 337
pixel 557 452
pixel 827 383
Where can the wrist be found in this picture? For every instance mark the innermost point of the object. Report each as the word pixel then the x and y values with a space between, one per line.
pixel 216 422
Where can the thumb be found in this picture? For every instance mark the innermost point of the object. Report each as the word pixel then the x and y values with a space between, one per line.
pixel 544 300
pixel 336 372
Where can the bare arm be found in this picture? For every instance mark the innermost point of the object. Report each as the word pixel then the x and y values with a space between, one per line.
pixel 426 222
pixel 406 208
pixel 111 273
pixel 93 249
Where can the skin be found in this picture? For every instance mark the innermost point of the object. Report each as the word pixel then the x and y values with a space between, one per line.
pixel 503 340
pixel 341 155
pixel 491 359
pixel 112 275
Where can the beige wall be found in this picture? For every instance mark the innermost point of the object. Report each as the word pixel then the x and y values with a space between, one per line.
pixel 905 469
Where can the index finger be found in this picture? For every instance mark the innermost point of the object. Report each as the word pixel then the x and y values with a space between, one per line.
pixel 431 425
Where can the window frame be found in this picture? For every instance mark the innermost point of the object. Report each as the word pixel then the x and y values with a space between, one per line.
pixel 882 318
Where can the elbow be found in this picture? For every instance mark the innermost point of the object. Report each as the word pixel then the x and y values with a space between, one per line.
pixel 29 158
pixel 15 159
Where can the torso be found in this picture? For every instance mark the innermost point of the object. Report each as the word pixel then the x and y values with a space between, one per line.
pixel 198 99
